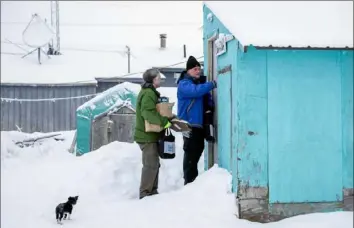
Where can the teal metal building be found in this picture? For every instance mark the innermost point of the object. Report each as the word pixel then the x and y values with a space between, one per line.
pixel 285 123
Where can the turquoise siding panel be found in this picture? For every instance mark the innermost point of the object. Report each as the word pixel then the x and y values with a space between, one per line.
pixel 234 115
pixel 347 117
pixel 305 132
pixel 252 119
pixel 226 155
pixel 224 121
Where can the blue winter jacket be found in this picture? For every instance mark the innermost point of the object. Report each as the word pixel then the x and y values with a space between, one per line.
pixel 190 99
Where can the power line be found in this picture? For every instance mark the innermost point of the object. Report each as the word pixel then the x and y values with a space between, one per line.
pixel 78 97
pixel 95 50
pixel 140 72
pixel 73 49
pixel 175 64
pixel 122 76
pixel 11 53
pixel 114 24
pixel 48 99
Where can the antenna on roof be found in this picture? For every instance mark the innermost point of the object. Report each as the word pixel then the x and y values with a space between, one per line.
pixel 36 35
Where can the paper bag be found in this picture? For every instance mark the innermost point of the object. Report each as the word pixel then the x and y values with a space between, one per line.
pixel 152 127
pixel 165 109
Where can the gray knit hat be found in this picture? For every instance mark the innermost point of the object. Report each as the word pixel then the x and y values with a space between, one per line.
pixel 150 74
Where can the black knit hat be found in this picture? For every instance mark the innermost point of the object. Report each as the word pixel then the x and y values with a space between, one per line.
pixel 192 62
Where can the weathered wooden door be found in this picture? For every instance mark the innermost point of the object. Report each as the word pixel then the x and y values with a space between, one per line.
pixel 224 120
pixel 304 127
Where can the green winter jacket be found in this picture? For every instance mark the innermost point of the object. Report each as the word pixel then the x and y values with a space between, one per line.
pixel 146 110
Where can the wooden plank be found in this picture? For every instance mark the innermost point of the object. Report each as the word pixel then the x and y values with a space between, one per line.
pixel 225 69
pixel 72 147
pixel 99 133
pixel 123 127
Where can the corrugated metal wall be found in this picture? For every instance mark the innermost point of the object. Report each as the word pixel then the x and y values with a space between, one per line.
pixel 49 116
pixel 42 116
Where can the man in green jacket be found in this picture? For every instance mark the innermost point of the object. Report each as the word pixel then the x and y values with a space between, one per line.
pixel 148 141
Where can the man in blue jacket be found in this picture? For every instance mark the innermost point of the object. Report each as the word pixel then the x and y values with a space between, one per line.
pixel 190 95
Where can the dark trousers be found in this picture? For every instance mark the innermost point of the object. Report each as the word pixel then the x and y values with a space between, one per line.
pixel 193 148
pixel 150 171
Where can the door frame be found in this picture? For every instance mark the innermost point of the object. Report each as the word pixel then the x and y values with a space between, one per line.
pixel 212 74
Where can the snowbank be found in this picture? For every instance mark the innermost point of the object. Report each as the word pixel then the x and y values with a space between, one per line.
pixel 44 146
pixel 35 179
pixel 103 178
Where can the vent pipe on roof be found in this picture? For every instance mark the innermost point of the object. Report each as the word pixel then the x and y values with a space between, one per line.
pixel 184 51
pixel 163 40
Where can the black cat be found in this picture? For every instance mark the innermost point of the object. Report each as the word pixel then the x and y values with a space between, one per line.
pixel 63 210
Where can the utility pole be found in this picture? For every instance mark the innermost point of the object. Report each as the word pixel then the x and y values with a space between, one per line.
pixel 57 25
pixel 54 22
pixel 128 53
pixel 52 18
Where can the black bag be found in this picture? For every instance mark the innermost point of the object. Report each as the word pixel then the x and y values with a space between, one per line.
pixel 167 145
pixel 208 117
pixel 208 127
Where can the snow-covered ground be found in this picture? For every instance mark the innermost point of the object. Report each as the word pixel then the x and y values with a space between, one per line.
pixel 35 179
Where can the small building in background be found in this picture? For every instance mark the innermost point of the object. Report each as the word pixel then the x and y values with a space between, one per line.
pixel 108 117
pixel 284 104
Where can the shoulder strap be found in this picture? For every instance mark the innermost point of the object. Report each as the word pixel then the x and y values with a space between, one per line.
pixel 190 105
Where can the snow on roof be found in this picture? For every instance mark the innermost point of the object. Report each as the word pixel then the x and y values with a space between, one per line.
pixel 81 66
pixel 111 100
pixel 111 97
pixel 288 23
pixel 94 41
